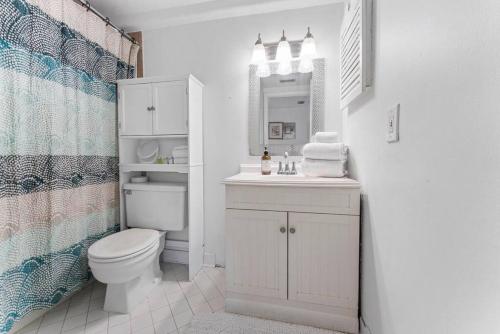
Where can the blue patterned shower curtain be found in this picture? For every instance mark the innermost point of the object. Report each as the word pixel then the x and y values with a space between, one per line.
pixel 58 148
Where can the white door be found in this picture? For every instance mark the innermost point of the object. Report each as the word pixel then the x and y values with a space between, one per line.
pixel 134 103
pixel 323 259
pixel 256 252
pixel 170 108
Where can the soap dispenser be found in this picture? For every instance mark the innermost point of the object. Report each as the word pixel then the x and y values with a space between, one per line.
pixel 265 163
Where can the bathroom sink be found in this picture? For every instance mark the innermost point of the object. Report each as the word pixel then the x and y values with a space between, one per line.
pixel 289 180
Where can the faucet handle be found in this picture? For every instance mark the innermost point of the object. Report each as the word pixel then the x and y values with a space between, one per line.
pixel 294 170
pixel 280 168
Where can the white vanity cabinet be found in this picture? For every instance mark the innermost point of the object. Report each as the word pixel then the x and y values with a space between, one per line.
pixel 153 108
pixel 292 249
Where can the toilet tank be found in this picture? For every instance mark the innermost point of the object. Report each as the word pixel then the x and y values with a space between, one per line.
pixel 156 205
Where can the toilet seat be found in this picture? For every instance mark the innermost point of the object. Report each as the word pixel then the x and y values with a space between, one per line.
pixel 124 245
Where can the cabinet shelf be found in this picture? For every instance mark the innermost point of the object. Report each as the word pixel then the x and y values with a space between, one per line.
pixel 175 168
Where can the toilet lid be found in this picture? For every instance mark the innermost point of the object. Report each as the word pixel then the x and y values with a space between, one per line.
pixel 124 243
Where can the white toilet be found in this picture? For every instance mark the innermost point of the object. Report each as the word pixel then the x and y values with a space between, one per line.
pixel 129 261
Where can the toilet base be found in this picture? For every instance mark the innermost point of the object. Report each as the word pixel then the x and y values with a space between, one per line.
pixel 124 297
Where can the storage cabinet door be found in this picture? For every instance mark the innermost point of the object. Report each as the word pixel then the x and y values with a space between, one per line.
pixel 323 259
pixel 256 253
pixel 134 117
pixel 170 102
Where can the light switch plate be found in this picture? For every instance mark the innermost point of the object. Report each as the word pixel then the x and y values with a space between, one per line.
pixel 393 124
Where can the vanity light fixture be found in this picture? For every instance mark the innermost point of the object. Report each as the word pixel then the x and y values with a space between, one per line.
pixel 259 52
pixel 284 56
pixel 307 53
pixel 308 48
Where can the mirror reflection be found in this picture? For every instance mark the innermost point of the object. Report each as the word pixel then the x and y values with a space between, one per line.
pixel 286 109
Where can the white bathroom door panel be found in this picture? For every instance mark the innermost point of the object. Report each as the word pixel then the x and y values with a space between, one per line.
pixel 256 253
pixel 323 259
pixel 170 103
pixel 133 103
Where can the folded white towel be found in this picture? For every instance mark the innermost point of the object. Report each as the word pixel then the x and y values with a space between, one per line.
pixel 324 168
pixel 324 151
pixel 325 137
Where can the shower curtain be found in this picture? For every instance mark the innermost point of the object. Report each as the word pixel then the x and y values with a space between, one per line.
pixel 58 148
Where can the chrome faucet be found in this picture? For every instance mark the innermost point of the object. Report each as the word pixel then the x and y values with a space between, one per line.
pixel 286 170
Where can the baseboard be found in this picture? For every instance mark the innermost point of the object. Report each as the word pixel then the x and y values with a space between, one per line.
pixel 176 251
pixel 209 259
pixel 290 314
pixel 177 245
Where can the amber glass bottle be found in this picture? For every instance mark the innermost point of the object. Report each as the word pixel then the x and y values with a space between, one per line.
pixel 265 163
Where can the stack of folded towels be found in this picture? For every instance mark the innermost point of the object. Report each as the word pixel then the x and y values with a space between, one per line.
pixel 180 155
pixel 325 156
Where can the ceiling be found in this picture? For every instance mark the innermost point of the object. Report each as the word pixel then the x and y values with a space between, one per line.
pixel 134 15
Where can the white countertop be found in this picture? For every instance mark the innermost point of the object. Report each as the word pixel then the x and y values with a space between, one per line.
pixel 257 179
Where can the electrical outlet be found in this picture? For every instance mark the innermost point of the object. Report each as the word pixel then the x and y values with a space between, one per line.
pixel 393 124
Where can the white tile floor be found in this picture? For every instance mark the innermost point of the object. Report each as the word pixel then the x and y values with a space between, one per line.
pixel 168 309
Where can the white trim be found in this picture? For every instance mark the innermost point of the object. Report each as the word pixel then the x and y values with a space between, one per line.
pixel 177 245
pixel 175 256
pixel 304 314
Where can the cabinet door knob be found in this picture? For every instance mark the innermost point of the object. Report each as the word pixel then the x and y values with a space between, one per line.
pixel 149 108
pixel 282 229
pixel 292 230
pixel 153 108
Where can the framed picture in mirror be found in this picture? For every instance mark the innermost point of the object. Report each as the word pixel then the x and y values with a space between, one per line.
pixel 289 130
pixel 275 130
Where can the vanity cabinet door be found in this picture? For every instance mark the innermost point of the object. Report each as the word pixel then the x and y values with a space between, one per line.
pixel 323 259
pixel 170 113
pixel 134 103
pixel 256 253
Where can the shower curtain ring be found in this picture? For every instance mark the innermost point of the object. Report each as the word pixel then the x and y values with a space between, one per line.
pixel 87 4
pixel 108 21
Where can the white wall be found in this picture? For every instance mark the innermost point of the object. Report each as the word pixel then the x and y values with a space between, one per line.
pixel 431 207
pixel 218 53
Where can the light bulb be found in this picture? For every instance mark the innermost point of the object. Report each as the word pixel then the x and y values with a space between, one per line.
pixel 263 70
pixel 283 53
pixel 259 52
pixel 308 48
pixel 306 65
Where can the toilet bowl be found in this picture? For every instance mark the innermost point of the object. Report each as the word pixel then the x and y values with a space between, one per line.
pixel 129 261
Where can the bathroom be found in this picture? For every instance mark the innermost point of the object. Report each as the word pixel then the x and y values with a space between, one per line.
pixel 421 253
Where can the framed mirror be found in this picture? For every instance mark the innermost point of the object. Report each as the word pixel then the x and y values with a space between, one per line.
pixel 285 110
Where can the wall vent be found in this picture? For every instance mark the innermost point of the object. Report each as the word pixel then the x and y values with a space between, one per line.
pixel 355 50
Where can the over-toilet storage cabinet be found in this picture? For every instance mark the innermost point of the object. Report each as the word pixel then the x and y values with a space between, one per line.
pixel 292 253
pixel 154 108
pixel 168 110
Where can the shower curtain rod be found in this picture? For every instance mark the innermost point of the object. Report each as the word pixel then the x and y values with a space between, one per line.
pixel 106 19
